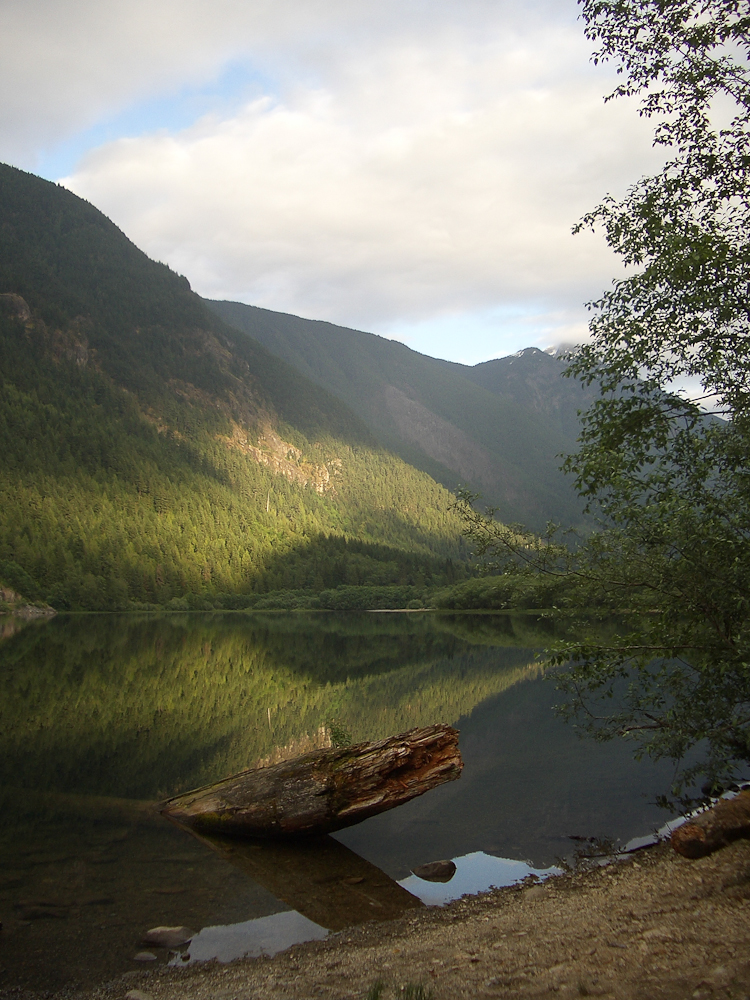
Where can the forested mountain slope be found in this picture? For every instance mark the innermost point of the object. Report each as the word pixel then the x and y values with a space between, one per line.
pixel 532 380
pixel 152 452
pixel 498 427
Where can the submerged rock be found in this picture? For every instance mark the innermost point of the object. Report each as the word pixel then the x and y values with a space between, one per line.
pixel 168 937
pixel 436 871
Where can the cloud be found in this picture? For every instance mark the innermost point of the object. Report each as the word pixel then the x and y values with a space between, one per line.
pixel 409 176
pixel 385 164
pixel 70 64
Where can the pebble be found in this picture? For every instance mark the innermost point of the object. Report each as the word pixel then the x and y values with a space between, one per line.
pixel 719 975
pixel 535 892
pixel 144 956
pixel 138 995
pixel 168 937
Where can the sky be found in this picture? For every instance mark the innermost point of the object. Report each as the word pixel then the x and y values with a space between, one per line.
pixel 412 168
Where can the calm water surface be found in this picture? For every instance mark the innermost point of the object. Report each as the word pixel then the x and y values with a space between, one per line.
pixel 101 715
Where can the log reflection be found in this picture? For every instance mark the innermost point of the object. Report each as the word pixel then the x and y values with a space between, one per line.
pixel 318 877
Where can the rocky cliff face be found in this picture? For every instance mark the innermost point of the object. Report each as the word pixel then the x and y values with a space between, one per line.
pixel 69 343
pixel 267 448
pixel 16 606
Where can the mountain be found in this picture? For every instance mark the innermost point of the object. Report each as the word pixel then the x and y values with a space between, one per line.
pixel 152 454
pixel 532 380
pixel 498 427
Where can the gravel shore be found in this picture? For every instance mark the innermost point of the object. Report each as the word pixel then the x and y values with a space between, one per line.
pixel 652 926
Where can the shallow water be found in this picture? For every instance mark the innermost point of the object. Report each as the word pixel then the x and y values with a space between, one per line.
pixel 99 714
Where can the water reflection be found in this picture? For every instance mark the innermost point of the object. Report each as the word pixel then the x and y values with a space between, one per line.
pixel 100 716
pixel 270 935
pixel 319 877
pixel 475 872
pixel 145 708
pixel 250 938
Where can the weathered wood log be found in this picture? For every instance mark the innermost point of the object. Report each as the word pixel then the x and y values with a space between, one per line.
pixel 323 790
pixel 705 833
pixel 318 877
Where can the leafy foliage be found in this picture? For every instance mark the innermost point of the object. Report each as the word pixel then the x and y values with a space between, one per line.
pixel 667 481
pixel 684 313
pixel 502 593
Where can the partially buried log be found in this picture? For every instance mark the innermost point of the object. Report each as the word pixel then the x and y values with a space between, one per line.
pixel 705 833
pixel 324 790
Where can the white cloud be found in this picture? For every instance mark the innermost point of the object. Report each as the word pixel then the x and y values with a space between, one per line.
pixel 407 161
pixel 69 64
pixel 415 180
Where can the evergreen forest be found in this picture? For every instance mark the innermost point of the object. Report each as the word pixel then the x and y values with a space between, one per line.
pixel 153 456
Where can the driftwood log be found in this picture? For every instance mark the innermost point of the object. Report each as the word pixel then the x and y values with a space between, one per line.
pixel 705 833
pixel 323 790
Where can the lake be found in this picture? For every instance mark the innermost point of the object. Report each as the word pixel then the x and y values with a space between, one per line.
pixel 102 715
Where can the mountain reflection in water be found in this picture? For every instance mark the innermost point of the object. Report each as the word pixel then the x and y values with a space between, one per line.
pixel 147 707
pixel 102 715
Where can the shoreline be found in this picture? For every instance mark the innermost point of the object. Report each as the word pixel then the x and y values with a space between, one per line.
pixel 652 925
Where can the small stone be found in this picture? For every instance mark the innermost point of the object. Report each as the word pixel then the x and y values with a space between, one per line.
pixel 144 956
pixel 168 937
pixel 436 871
pixel 719 975
pixel 138 995
pixel 535 892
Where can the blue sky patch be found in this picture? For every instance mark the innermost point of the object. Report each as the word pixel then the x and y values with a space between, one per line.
pixel 237 84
